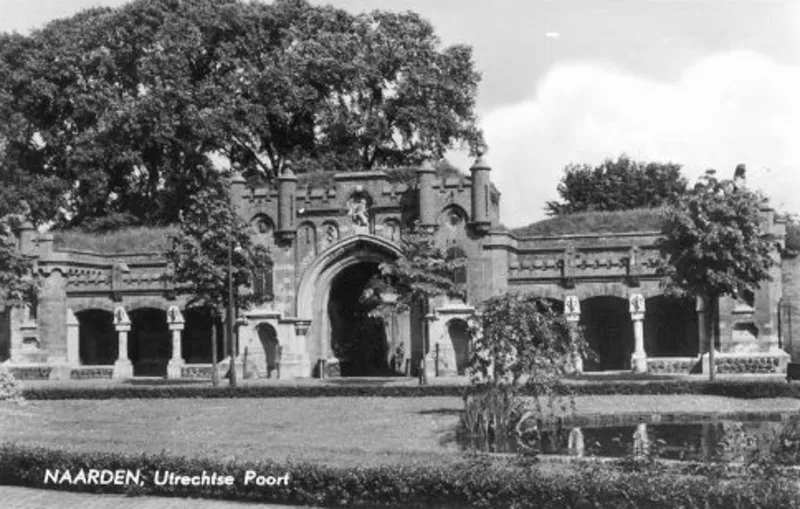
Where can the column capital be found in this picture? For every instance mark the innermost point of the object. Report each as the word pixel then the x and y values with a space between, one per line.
pixel 572 308
pixel 636 305
pixel 121 318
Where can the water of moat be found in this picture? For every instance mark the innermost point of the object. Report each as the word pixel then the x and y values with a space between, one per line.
pixel 686 437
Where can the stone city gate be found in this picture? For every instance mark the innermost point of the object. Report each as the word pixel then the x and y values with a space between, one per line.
pixel 117 314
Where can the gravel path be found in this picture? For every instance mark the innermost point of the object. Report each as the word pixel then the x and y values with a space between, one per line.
pixel 28 498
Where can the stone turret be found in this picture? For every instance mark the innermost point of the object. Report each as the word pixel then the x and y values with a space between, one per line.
pixel 427 197
pixel 287 187
pixel 238 184
pixel 27 233
pixel 739 176
pixel 480 195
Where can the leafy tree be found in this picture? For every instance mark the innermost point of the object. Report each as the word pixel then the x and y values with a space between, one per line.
pixel 423 272
pixel 519 341
pixel 212 236
pixel 714 245
pixel 124 111
pixel 617 185
pixel 18 281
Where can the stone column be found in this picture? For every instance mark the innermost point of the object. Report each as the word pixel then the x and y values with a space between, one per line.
pixel 637 310
pixel 575 442
pixel 73 339
pixel 433 333
pixel 572 312
pixel 123 367
pixel 641 442
pixel 175 322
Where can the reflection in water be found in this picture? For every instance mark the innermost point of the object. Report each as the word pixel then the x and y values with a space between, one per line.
pixel 693 438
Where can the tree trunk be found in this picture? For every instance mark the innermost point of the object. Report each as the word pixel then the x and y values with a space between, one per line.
pixel 214 373
pixel 713 304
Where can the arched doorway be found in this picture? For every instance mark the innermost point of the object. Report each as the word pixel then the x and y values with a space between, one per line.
pixel 98 341
pixel 460 337
pixel 609 333
pixel 196 338
pixel 670 327
pixel 318 300
pixel 267 360
pixel 149 343
pixel 358 340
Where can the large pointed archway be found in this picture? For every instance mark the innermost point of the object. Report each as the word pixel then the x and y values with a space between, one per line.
pixel 329 290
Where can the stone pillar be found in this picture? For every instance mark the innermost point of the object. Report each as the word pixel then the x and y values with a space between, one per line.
pixel 295 363
pixel 572 312
pixel 575 442
pixel 480 198
pixel 433 333
pixel 637 310
pixel 641 443
pixel 427 197
pixel 123 367
pixel 175 322
pixel 287 187
pixel 73 339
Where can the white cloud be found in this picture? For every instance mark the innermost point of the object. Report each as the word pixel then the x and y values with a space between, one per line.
pixel 726 109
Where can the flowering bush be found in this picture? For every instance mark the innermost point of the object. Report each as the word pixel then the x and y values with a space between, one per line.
pixel 10 388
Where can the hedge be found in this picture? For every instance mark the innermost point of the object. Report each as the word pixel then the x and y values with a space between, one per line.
pixel 733 389
pixel 473 482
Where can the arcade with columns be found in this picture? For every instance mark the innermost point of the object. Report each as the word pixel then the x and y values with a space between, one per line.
pixel 118 314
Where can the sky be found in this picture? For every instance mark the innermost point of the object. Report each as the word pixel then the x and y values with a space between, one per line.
pixel 703 83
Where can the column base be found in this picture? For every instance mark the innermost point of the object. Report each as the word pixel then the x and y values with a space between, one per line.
pixel 174 368
pixel 639 363
pixel 123 369
pixel 576 366
pixel 430 365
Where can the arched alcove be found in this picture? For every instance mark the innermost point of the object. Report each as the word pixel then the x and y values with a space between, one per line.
pixel 609 333
pixel 196 344
pixel 318 280
pixel 149 342
pixel 267 359
pixel 670 327
pixel 98 342
pixel 460 337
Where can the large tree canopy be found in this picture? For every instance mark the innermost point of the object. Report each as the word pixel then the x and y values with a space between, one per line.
pixel 623 184
pixel 713 243
pixel 126 110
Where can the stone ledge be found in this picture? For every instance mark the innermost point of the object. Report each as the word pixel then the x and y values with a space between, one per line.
pixel 91 372
pixel 671 365
pixel 30 371
pixel 748 363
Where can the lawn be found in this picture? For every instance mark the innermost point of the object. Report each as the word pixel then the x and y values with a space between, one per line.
pixel 337 431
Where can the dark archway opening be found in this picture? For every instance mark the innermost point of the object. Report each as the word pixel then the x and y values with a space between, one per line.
pixel 358 340
pixel 196 339
pixel 149 343
pixel 670 327
pixel 609 333
pixel 5 334
pixel 267 364
pixel 460 336
pixel 98 341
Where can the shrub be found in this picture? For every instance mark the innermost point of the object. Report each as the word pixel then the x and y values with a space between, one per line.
pixel 472 482
pixel 10 388
pixel 741 390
